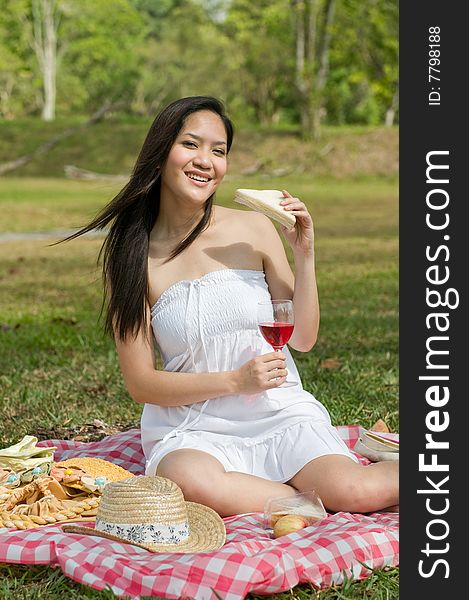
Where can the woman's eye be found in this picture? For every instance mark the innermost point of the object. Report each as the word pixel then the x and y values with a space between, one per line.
pixel 219 151
pixel 190 144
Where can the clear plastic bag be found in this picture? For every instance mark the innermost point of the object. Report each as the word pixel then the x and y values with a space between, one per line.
pixel 307 505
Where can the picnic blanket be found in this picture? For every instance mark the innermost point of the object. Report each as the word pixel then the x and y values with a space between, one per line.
pixel 342 546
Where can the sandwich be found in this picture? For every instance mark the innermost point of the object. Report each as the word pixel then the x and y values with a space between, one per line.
pixel 266 202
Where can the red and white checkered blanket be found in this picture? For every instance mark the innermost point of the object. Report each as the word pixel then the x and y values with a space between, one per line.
pixel 341 546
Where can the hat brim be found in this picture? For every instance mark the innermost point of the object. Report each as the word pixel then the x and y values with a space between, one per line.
pixel 207 532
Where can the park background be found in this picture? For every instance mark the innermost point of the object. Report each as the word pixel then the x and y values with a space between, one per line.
pixel 312 87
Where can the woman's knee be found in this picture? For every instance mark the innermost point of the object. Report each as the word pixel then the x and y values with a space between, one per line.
pixel 350 494
pixel 361 491
pixel 344 485
pixel 195 472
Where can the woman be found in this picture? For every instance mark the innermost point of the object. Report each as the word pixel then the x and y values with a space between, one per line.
pixel 190 273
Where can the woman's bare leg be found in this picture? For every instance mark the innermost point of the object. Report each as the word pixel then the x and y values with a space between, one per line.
pixel 202 478
pixel 344 485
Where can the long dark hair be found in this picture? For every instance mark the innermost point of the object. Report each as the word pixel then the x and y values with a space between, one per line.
pixel 132 214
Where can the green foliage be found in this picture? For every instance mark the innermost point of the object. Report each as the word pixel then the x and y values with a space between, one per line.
pixel 363 61
pixel 262 34
pixel 147 53
pixel 19 83
pixel 186 56
pixel 98 64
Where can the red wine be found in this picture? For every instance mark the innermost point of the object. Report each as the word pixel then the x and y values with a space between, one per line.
pixel 277 334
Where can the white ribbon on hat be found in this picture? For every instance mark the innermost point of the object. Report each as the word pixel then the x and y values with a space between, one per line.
pixel 146 533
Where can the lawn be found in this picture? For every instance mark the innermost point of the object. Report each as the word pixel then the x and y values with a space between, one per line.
pixel 58 370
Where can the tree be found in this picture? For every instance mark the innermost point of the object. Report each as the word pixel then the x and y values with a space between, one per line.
pixel 313 23
pixel 263 41
pixel 184 53
pixel 364 72
pixel 290 61
pixel 20 87
pixel 101 62
pixel 45 20
pixel 74 56
pixel 11 69
pixel 32 25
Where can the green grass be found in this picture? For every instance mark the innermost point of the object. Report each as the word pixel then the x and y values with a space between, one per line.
pixel 111 146
pixel 340 207
pixel 56 366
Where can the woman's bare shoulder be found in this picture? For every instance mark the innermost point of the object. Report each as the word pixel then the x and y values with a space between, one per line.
pixel 245 218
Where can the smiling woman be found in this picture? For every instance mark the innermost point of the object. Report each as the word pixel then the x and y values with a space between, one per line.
pixel 188 275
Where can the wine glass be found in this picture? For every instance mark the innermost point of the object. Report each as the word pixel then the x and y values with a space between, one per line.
pixel 276 321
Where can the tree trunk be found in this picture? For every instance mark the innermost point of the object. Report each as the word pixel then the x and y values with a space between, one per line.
pixel 391 112
pixel 45 46
pixel 5 97
pixel 305 33
pixel 312 61
pixel 323 70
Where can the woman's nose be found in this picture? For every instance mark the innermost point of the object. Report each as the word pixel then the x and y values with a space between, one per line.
pixel 202 159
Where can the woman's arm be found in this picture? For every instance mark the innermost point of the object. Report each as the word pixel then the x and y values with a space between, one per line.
pixel 146 384
pixel 302 287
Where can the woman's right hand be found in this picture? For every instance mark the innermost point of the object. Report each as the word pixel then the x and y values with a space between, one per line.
pixel 261 373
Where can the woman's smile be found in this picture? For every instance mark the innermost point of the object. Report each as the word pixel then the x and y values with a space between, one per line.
pixel 199 178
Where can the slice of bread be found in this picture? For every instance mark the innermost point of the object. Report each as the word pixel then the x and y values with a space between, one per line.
pixel 266 202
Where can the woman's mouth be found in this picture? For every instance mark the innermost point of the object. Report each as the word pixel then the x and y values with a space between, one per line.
pixel 200 180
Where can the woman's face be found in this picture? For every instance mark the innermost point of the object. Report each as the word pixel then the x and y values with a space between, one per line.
pixel 196 163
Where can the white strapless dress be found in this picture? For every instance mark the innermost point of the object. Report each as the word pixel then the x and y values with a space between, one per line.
pixel 210 324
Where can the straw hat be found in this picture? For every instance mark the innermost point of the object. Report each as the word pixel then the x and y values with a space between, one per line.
pixel 151 512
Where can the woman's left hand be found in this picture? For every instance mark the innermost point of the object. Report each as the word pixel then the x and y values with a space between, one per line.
pixel 301 236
